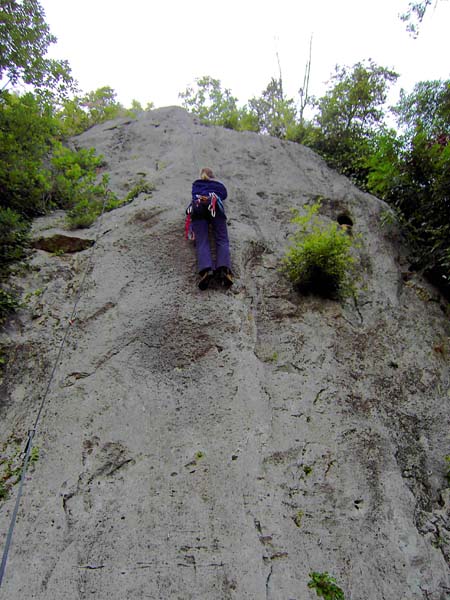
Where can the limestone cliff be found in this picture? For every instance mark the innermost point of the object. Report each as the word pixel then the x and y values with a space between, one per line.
pixel 225 444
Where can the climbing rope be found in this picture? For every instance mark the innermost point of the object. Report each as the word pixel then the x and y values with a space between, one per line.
pixel 32 432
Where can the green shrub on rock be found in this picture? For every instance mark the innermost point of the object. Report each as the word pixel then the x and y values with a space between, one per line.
pixel 13 238
pixel 325 586
pixel 319 258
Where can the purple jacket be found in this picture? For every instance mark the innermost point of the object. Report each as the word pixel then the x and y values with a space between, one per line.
pixel 203 187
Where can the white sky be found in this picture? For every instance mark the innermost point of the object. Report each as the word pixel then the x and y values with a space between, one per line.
pixel 152 50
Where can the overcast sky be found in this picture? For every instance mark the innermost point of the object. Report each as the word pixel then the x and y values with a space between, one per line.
pixel 152 50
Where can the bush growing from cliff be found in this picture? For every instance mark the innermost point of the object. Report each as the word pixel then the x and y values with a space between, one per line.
pixel 325 586
pixel 13 241
pixel 98 198
pixel 13 238
pixel 319 258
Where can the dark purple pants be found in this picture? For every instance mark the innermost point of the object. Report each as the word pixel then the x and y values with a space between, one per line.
pixel 204 257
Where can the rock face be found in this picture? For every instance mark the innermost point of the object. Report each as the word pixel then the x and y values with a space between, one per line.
pixel 224 445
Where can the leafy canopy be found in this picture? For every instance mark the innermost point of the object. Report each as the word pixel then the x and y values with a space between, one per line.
pixel 275 114
pixel 210 103
pixel 414 16
pixel 24 40
pixel 354 104
pixel 411 170
pixel 427 107
pixel 349 115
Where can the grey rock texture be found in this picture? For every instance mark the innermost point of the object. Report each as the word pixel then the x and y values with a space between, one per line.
pixel 225 444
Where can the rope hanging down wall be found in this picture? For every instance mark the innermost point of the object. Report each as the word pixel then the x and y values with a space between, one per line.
pixel 33 430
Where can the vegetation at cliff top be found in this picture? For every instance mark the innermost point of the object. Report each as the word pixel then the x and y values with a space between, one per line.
pixel 409 166
pixel 39 171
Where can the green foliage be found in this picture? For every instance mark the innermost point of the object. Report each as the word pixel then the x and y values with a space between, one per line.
pixel 271 113
pixel 13 242
pixel 318 259
pixel 97 197
pixel 414 16
pixel 136 108
pixel 427 107
pixel 248 120
pixel 34 455
pixel 27 130
pixel 141 187
pixel 3 491
pixel 299 518
pixel 83 213
pixel 82 112
pixel 348 116
pixel 8 304
pixel 411 171
pixel 13 238
pixel 325 586
pixel 354 103
pixel 383 163
pixel 275 114
pixel 73 175
pixel 24 41
pixel 89 205
pixel 11 464
pixel 73 118
pixel 75 185
pixel 210 103
pixel 102 105
pixel 37 173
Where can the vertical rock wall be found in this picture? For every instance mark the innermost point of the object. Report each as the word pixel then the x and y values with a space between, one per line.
pixel 225 444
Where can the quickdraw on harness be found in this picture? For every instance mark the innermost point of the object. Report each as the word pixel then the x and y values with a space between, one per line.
pixel 200 201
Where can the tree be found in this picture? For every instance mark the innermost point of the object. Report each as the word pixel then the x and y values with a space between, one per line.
pixel 350 114
pixel 414 15
pixel 275 114
pixel 81 112
pixel 211 103
pixel 24 40
pixel 427 106
pixel 355 102
pixel 27 130
pixel 411 170
pixel 102 105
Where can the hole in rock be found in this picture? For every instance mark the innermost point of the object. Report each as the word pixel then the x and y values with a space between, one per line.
pixel 62 244
pixel 345 221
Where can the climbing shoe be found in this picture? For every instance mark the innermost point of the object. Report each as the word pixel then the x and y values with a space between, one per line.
pixel 225 276
pixel 205 277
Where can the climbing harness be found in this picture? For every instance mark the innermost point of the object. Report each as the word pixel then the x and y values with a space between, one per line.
pixel 213 203
pixel 32 432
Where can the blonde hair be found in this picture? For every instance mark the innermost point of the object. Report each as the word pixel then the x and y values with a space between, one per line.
pixel 206 173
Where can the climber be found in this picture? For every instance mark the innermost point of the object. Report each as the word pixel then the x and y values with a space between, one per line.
pixel 206 208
